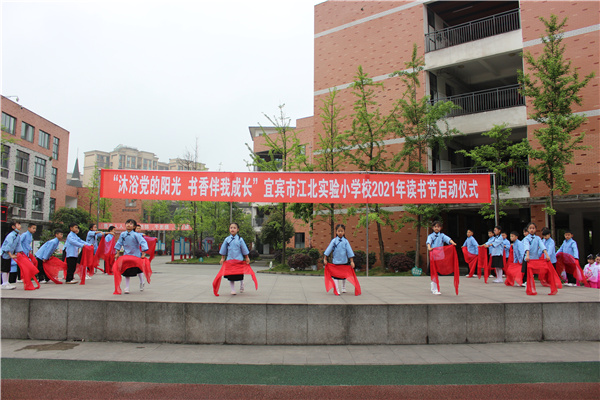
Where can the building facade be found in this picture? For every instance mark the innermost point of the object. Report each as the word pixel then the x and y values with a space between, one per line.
pixel 34 164
pixel 472 51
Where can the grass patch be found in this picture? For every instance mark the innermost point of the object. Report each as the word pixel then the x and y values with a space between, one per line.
pixel 205 260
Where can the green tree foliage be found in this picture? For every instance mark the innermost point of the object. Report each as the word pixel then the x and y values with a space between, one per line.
pixel 422 126
pixel 363 146
pixel 63 217
pixel 271 231
pixel 553 88
pixel 498 157
pixel 93 187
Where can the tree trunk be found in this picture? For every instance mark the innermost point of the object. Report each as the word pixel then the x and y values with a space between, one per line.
pixel 332 220
pixel 552 216
pixel 381 244
pixel 283 235
pixel 418 244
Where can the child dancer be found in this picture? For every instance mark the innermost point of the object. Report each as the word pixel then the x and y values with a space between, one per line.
pixel 506 243
pixel 549 243
pixel 72 246
pixel 234 248
pixel 45 252
pixel 569 246
pixel 342 255
pixel 514 276
pixel 93 236
pixel 10 248
pixel 497 252
pixel 109 250
pixel 591 271
pixel 533 247
pixel 437 239
pixel 135 245
pixel 473 249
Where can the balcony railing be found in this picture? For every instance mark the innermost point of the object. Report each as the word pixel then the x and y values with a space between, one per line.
pixel 21 177
pixel 474 30
pixel 486 100
pixel 514 176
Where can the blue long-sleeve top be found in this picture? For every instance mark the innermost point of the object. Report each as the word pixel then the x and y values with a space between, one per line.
pixel 534 245
pixel 73 244
pixel 11 244
pixel 132 243
pixel 26 242
pixel 518 251
pixel 506 244
pixel 341 250
pixel 45 252
pixel 472 245
pixel 550 248
pixel 234 248
pixel 93 237
pixel 437 239
pixel 569 247
pixel 496 246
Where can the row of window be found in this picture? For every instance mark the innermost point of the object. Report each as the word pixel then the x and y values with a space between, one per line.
pixel 20 198
pixel 22 165
pixel 28 132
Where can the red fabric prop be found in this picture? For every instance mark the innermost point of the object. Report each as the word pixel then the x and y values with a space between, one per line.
pixel 107 253
pixel 566 262
pixel 86 264
pixel 33 260
pixel 125 262
pixel 151 252
pixel 444 261
pixel 513 271
pixel 52 267
pixel 471 259
pixel 233 267
pixel 341 271
pixel 546 274
pixel 97 256
pixel 482 262
pixel 28 271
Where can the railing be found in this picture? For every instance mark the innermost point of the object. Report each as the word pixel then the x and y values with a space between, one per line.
pixel 514 176
pixel 4 173
pixel 37 215
pixel 474 30
pixel 39 182
pixel 486 100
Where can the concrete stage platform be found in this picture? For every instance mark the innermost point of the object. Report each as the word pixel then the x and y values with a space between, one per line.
pixel 179 307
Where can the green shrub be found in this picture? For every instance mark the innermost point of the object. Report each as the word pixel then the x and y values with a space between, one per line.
pixel 401 263
pixel 299 261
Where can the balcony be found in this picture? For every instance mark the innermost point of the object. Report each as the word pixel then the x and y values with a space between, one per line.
pixel 486 100
pixel 515 176
pixel 21 177
pixel 473 30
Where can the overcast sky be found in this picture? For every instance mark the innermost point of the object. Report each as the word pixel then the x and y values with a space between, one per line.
pixel 156 75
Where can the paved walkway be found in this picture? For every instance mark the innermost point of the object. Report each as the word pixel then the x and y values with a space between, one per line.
pixel 193 284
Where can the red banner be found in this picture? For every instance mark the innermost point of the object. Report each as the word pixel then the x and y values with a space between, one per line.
pixel 120 226
pixel 296 187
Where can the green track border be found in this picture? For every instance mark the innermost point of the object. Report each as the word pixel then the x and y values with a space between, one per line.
pixel 296 375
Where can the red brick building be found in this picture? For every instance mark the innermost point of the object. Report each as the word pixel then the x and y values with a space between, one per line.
pixel 472 51
pixel 34 164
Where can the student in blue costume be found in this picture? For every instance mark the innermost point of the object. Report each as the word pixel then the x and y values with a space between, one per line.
pixel 133 244
pixel 234 248
pixel 72 246
pixel 45 252
pixel 496 247
pixel 341 251
pixel 569 246
pixel 437 239
pixel 10 247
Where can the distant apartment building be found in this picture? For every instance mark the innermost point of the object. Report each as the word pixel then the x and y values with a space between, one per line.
pixel 34 164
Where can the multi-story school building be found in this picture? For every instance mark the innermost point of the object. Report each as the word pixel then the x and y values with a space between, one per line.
pixel 34 165
pixel 472 51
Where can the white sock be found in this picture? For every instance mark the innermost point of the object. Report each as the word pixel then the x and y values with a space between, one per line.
pixel 141 276
pixel 343 284
pixel 241 285
pixel 127 278
pixel 232 284
pixel 434 287
pixel 499 274
pixel 5 278
pixel 335 285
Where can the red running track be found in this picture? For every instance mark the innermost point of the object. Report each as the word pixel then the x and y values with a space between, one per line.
pixel 13 389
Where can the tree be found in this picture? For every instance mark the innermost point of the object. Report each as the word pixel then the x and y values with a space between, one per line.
pixel 271 230
pixel 498 157
pixel 419 126
pixel 330 155
pixel 364 148
pixel 285 153
pixel 64 216
pixel 553 97
pixel 103 211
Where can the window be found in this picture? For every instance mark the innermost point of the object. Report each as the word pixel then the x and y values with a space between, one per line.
pixel 40 168
pixel 55 142
pixel 130 203
pixel 22 162
pixel 8 123
pixel 121 162
pixel 38 201
pixel 145 163
pixel 27 132
pixel 4 190
pixel 299 240
pixel 52 205
pixel 5 156
pixel 53 177
pixel 20 196
pixel 131 162
pixel 44 139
